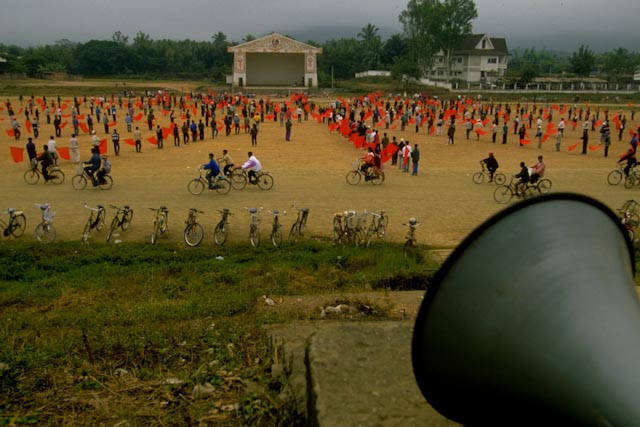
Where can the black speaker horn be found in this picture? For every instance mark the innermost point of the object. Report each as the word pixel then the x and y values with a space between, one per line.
pixel 534 320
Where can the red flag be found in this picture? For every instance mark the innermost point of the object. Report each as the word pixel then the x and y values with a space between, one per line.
pixel 103 146
pixel 480 132
pixel 17 153
pixel 28 126
pixel 388 151
pixel 112 124
pixel 62 125
pixel 64 153
pixel 594 147
pixel 137 117
pixel 573 147
pixel 10 132
pixel 358 141
pixel 525 141
pixel 166 132
pixel 152 140
pixel 83 127
pixel 130 141
pixel 598 123
pixel 545 137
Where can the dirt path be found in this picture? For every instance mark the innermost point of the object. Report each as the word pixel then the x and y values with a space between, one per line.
pixel 309 171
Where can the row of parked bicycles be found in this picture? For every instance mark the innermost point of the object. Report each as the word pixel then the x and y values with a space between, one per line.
pixel 16 224
pixel 80 180
pixel 505 192
pixel 237 179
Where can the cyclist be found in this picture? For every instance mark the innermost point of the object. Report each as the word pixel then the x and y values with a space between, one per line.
pixel 492 165
pixel 104 170
pixel 524 178
pixel 368 161
pixel 227 160
pixel 253 166
pixel 213 168
pixel 630 157
pixel 93 164
pixel 46 159
pixel 537 170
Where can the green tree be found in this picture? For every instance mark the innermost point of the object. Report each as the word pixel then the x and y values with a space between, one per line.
pixel 583 61
pixel 433 26
pixel 120 38
pixel 340 57
pixel 620 65
pixel 371 46
pixel 394 50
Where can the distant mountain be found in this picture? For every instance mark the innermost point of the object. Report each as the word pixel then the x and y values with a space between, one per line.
pixel 328 32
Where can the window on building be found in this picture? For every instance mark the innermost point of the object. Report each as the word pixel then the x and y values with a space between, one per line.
pixel 440 73
pixel 492 60
pixel 459 60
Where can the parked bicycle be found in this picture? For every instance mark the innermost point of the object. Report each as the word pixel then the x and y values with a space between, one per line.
pixel 16 224
pixel 630 222
pixel 221 231
pixel 377 226
pixel 32 175
pixel 299 226
pixel 504 193
pixel 348 228
pixel 276 228
pixel 193 231
pixel 616 175
pixel 45 232
pixel 122 219
pixel 95 221
pixel 221 183
pixel 254 226
pixel 374 175
pixel 240 178
pixel 411 248
pixel 159 222
pixel 82 178
pixel 498 177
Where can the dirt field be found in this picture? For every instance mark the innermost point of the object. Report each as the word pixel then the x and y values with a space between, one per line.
pixel 309 172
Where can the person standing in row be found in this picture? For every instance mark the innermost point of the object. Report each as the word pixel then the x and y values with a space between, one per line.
pixel 115 139
pixel 74 149
pixel 288 126
pixel 137 137
pixel 415 158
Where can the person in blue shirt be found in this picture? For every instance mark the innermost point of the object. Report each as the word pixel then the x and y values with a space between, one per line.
pixel 212 168
pixel 93 164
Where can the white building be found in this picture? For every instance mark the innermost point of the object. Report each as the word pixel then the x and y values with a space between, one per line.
pixel 479 58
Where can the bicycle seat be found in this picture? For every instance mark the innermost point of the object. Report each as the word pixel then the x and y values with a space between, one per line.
pixel 253 210
pixel 275 212
pixel 305 210
pixel 126 207
pixel 100 207
pixel 11 210
pixel 413 221
pixel 163 208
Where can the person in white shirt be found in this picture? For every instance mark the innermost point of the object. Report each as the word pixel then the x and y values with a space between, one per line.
pixel 253 166
pixel 53 149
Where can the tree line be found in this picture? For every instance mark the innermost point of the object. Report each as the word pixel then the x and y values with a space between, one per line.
pixel 430 28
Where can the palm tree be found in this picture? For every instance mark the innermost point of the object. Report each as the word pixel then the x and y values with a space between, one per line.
pixel 371 46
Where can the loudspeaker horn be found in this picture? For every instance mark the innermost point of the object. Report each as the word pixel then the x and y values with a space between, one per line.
pixel 534 320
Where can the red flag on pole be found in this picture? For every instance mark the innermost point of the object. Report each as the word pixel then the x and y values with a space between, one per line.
pixel 83 127
pixel 103 146
pixel 17 154
pixel 64 153
pixel 10 132
pixel 28 126
pixel 525 141
pixel 573 147
pixel 130 141
pixel 152 140
pixel 594 147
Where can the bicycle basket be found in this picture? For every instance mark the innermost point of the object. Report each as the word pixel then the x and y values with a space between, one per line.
pixel 49 215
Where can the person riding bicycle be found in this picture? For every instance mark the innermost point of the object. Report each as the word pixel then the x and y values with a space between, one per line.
pixel 524 178
pixel 630 157
pixel 491 164
pixel 228 162
pixel 46 160
pixel 368 162
pixel 253 166
pixel 93 164
pixel 104 170
pixel 537 170
pixel 212 168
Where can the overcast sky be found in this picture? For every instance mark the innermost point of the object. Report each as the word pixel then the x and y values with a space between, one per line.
pixel 551 24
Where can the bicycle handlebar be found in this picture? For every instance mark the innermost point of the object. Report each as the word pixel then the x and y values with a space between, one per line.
pixel 277 212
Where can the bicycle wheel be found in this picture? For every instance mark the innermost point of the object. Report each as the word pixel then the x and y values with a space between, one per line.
pixel 99 224
pixel 112 227
pixel 31 176
pixel 499 178
pixel 18 226
pixel 106 183
pixel 126 219
pixel 220 234
pixel 503 194
pixel 45 233
pixel 337 231
pixel 193 234
pixel 155 232
pixel 382 226
pixel 632 235
pixel 195 186
pixel 238 180
pixel 614 177
pixel 265 181
pixel 86 231
pixel 222 185
pixel 276 236
pixel 164 219
pixel 629 182
pixel 377 179
pixel 369 234
pixel 56 176
pixel 79 182
pixel 254 236
pixel 544 185
pixel 478 177
pixel 353 177
pixel 634 220
pixel 294 232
